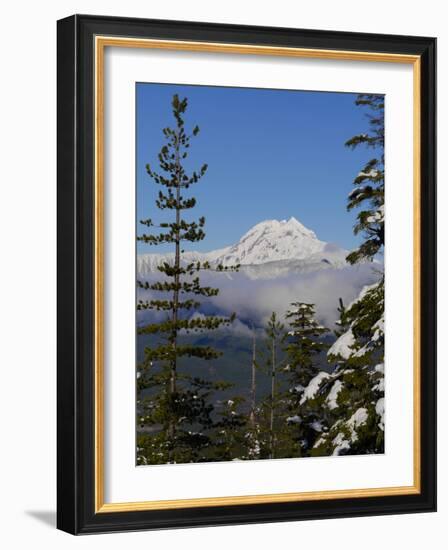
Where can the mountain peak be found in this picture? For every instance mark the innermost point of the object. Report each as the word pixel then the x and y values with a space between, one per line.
pixel 281 227
pixel 294 223
pixel 266 242
pixel 273 240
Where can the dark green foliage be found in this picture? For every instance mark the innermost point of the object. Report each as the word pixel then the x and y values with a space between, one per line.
pixel 303 346
pixel 271 410
pixel 275 335
pixel 368 194
pixel 353 397
pixel 355 418
pixel 229 436
pixel 303 342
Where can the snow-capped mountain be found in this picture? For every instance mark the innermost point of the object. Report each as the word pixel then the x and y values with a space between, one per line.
pixel 271 241
pixel 269 249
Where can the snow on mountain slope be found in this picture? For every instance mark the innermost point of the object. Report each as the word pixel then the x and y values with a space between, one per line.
pixel 147 263
pixel 274 240
pixel 269 249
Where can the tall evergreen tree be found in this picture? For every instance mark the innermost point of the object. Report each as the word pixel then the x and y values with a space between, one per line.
pixel 271 408
pixel 229 437
pixel 274 333
pixel 368 194
pixel 253 434
pixel 175 409
pixel 253 382
pixel 304 344
pixel 353 397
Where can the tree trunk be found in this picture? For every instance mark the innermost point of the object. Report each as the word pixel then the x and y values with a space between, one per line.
pixel 271 423
pixel 173 375
pixel 254 381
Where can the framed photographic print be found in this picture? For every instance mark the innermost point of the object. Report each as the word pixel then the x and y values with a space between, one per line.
pixel 246 266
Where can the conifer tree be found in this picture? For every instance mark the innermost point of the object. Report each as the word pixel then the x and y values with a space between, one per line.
pixel 271 409
pixel 303 346
pixel 353 397
pixel 368 194
pixel 274 333
pixel 175 409
pixel 253 434
pixel 253 382
pixel 229 437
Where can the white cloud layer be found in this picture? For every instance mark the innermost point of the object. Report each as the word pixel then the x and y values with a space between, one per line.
pixel 255 299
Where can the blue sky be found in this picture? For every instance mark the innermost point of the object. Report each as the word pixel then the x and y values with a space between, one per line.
pixel 272 154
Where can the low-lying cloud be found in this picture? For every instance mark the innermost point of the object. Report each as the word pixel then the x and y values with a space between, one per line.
pixel 253 300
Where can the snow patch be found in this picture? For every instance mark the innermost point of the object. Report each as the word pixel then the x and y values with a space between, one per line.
pixel 333 395
pixel 369 174
pixel 357 419
pixel 319 442
pixel 341 444
pixel 376 217
pixel 342 346
pixel 311 390
pixel 379 368
pixel 378 329
pixel 316 426
pixel 361 295
pixel 379 409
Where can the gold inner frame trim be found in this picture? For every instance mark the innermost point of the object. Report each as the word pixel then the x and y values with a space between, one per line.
pixel 101 42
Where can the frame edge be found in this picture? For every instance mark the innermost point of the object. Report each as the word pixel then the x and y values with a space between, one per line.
pixel 74 516
pixel 67 463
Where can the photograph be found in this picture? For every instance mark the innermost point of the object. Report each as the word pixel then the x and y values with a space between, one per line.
pixel 259 273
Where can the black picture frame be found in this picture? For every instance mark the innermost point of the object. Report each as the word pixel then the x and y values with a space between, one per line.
pixel 76 264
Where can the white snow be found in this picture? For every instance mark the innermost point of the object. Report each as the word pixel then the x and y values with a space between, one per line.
pixel 379 408
pixel 378 329
pixel 313 386
pixel 364 291
pixel 333 395
pixel 357 419
pixel 377 216
pixel 316 426
pixel 362 351
pixel 379 386
pixel 355 191
pixel 274 240
pixel 342 346
pixel 372 173
pixel 319 442
pixel 147 263
pixel 268 241
pixel 341 444
pixel 379 368
pixel 294 419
